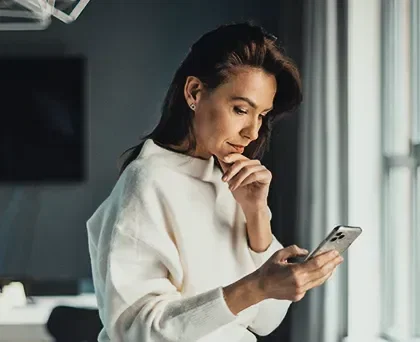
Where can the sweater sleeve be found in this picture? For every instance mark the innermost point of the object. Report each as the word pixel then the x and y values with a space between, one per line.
pixel 260 258
pixel 271 312
pixel 139 301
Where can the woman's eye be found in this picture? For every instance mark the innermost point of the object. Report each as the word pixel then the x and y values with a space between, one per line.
pixel 239 110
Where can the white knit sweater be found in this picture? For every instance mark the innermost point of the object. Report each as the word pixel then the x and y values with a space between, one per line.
pixel 162 246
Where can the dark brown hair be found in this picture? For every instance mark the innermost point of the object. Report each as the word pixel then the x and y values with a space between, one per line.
pixel 212 59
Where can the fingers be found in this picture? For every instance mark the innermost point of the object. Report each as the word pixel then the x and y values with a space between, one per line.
pixel 325 274
pixel 319 261
pixel 233 157
pixel 292 281
pixel 244 172
pixel 238 166
pixel 306 277
pixel 291 251
pixel 228 160
pixel 316 282
pixel 319 276
pixel 250 175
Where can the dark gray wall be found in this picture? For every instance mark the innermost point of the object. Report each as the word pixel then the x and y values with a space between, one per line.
pixel 132 50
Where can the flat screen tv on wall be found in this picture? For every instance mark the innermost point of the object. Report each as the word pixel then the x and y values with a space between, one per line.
pixel 42 131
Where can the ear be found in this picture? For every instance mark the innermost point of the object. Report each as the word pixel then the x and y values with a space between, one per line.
pixel 193 90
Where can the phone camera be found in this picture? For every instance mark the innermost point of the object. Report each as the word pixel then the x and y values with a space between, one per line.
pixel 338 236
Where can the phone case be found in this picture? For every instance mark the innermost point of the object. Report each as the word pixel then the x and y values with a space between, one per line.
pixel 340 238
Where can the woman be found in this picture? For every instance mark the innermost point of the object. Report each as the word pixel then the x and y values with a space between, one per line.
pixel 182 249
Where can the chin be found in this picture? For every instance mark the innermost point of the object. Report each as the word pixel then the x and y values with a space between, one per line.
pixel 220 153
pixel 224 152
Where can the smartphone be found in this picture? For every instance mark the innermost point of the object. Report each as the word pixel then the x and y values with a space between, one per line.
pixel 340 239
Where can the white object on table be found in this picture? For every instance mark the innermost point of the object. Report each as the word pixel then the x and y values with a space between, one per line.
pixel 27 323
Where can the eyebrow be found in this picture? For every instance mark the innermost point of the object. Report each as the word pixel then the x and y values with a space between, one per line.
pixel 250 102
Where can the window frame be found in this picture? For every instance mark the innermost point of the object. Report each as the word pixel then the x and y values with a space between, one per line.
pixel 400 315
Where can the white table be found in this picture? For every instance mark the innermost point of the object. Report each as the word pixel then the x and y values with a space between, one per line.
pixel 27 323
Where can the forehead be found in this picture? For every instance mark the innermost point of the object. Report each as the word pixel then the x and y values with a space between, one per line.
pixel 252 83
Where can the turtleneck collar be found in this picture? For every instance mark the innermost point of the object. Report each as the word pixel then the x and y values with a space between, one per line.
pixel 204 169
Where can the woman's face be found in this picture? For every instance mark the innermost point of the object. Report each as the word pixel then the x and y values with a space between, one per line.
pixel 232 113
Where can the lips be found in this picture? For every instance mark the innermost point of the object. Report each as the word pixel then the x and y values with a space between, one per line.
pixel 238 148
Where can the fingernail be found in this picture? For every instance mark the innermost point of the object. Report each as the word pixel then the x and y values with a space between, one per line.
pixel 224 178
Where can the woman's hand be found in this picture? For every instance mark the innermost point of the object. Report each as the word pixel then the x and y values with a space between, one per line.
pixel 279 279
pixel 248 180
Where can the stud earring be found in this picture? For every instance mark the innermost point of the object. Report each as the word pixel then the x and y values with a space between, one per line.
pixel 192 105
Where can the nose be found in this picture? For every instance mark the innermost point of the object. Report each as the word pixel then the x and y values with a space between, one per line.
pixel 251 130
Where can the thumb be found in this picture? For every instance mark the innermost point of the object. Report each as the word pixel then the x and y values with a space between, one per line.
pixel 291 251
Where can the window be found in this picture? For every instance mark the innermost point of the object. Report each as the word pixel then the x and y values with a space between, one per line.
pixel 400 313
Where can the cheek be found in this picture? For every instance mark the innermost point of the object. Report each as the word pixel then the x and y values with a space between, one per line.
pixel 217 127
pixel 205 127
pixel 224 127
pixel 213 124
